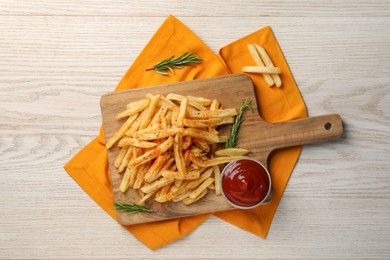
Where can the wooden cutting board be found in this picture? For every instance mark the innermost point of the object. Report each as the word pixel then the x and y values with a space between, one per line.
pixel 256 135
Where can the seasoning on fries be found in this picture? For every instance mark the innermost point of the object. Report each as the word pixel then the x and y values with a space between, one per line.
pixel 169 147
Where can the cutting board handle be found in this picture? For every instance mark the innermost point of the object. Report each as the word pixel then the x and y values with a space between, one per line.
pixel 305 131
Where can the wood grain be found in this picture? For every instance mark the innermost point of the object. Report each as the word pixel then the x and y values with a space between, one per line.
pixel 58 58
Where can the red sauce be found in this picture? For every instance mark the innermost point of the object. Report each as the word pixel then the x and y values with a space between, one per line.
pixel 245 183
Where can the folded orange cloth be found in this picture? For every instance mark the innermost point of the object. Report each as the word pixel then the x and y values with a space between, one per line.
pixel 89 167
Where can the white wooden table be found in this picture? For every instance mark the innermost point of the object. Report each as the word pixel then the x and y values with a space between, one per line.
pixel 58 57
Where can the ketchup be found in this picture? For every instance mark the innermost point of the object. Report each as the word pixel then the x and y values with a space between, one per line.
pixel 245 182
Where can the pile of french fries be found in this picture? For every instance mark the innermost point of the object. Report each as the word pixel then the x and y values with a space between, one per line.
pixel 169 147
pixel 263 66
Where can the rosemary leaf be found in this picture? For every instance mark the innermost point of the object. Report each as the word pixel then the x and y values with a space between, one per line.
pixel 130 207
pixel 163 67
pixel 231 142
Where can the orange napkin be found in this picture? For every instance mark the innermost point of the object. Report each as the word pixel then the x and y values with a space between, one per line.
pixel 89 167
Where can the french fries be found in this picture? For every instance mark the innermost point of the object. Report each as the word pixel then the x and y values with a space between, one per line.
pixel 263 66
pixel 169 147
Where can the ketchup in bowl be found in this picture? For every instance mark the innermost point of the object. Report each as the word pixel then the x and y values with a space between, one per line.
pixel 245 183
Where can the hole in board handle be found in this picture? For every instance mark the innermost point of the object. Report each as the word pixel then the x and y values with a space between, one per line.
pixel 328 126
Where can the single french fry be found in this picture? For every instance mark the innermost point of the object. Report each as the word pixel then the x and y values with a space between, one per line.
pixel 126 160
pixel 174 117
pixel 171 174
pixel 191 175
pixel 187 141
pixel 195 150
pixel 154 186
pixel 214 161
pixel 262 70
pixel 120 156
pixel 202 187
pixel 178 182
pixel 195 183
pixel 133 171
pixel 164 190
pixel 167 165
pixel 145 198
pixel 126 141
pixel 182 196
pixel 232 152
pixel 140 175
pixel 214 106
pixel 128 178
pixel 223 138
pixel 148 130
pixel 192 101
pixel 158 134
pixel 197 133
pixel 164 101
pixel 256 57
pixel 149 112
pixel 178 153
pixel 182 112
pixel 189 200
pixel 168 118
pixel 130 174
pixel 135 126
pixel 134 108
pixel 217 179
pixel 187 158
pixel 121 132
pixel 140 193
pixel 187 185
pixel 153 172
pixel 202 144
pixel 210 122
pixel 153 153
pixel 268 62
pixel 228 112
pixel 201 100
pixel 159 115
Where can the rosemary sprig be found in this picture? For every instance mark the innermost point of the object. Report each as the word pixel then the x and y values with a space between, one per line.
pixel 231 142
pixel 163 67
pixel 130 207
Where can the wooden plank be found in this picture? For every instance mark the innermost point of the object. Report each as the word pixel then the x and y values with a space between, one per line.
pixel 256 135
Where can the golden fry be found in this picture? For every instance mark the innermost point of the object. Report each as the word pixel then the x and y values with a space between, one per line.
pixel 217 179
pixel 126 160
pixel 228 112
pixel 155 152
pixel 120 156
pixel 134 108
pixel 215 161
pixel 202 187
pixel 182 112
pixel 150 111
pixel 153 172
pixel 121 132
pixel 232 152
pixel 197 133
pixel 262 70
pixel 154 186
pixel 178 153
pixel 158 134
pixel 126 141
pixel 189 201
